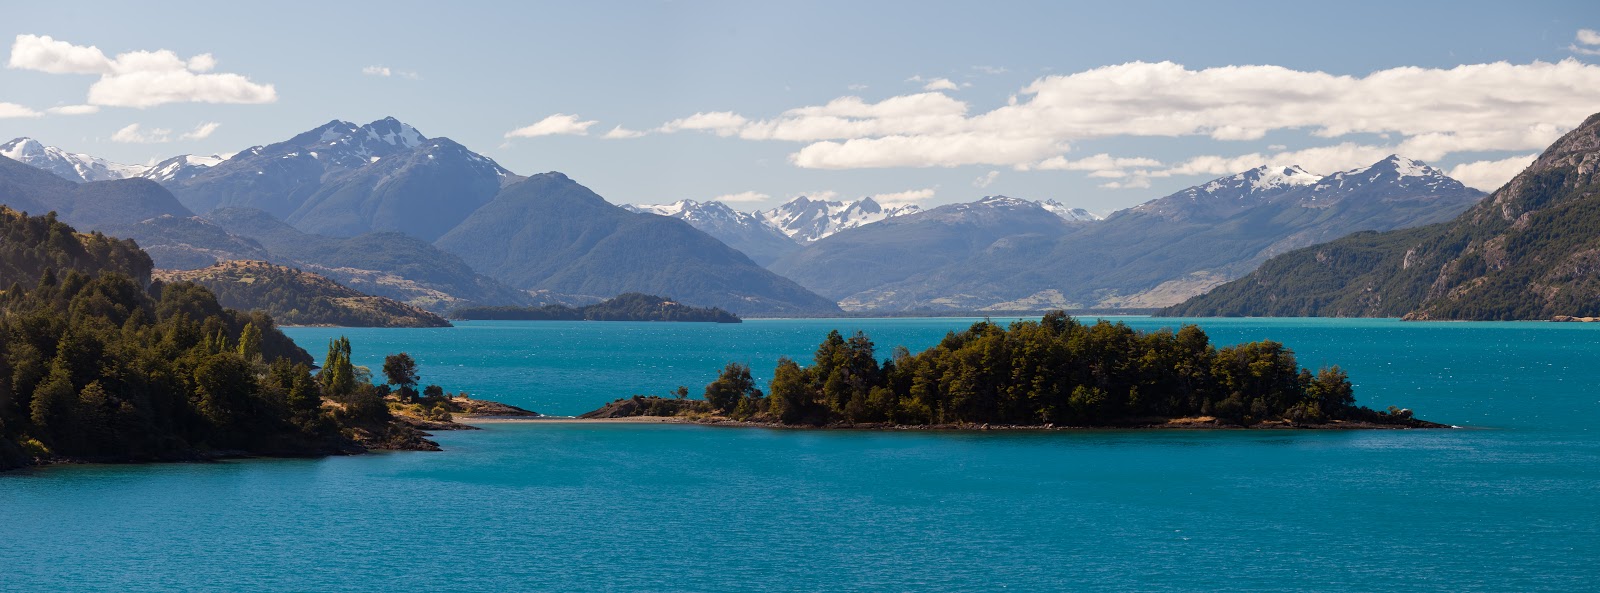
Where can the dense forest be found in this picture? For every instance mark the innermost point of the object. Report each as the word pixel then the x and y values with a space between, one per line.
pixel 631 306
pixel 1055 371
pixel 96 366
pixel 297 297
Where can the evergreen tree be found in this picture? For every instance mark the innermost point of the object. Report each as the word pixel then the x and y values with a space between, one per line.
pixel 250 342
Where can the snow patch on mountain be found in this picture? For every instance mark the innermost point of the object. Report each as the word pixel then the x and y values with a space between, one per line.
pixel 1069 213
pixel 807 220
pixel 1228 195
pixel 183 167
pixel 67 165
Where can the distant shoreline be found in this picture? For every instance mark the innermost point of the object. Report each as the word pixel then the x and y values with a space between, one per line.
pixel 1170 424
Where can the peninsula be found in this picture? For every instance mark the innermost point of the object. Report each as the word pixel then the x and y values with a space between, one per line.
pixel 99 364
pixel 1053 373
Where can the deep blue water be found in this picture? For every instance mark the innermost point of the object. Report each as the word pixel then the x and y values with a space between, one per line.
pixel 1508 504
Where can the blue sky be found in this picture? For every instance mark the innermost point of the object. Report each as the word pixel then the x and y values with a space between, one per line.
pixel 771 84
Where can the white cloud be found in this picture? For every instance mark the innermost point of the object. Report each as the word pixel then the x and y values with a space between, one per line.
pixel 857 87
pixel 744 196
pixel 1586 37
pixel 1428 113
pixel 202 63
pixel 135 134
pixel 386 72
pixel 1490 175
pixel 558 124
pixel 10 110
pixel 138 78
pixel 923 151
pixel 619 133
pixel 45 54
pixel 201 131
pixel 990 69
pixel 1096 163
pixel 940 84
pixel 901 198
pixel 1137 182
pixel 722 123
pixel 73 110
pixel 986 180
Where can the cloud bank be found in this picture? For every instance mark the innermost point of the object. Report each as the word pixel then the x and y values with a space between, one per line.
pixel 1423 113
pixel 138 78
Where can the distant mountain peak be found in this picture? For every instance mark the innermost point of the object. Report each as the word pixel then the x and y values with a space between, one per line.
pixel 1396 169
pixel 183 166
pixel 1402 166
pixel 1069 213
pixel 1235 193
pixel 1264 178
pixel 1005 201
pixel 67 165
pixel 394 132
pixel 806 219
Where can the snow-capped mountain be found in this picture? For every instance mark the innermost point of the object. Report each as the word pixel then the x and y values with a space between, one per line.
pixel 343 179
pixel 1069 213
pixel 807 220
pixel 1063 211
pixel 67 165
pixel 423 192
pixel 182 167
pixel 1394 171
pixel 1225 197
pixel 1228 195
pixel 745 231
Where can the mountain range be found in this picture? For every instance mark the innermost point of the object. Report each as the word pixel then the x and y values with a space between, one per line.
pixel 71 166
pixel 1155 254
pixel 1529 251
pixel 387 210
pixel 806 220
pixel 768 235
pixel 384 209
pixel 748 232
pixel 904 247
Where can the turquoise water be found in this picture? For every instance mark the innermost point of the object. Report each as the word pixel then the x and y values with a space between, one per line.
pixel 1508 504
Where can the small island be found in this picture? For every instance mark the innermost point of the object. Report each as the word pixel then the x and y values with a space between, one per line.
pixel 632 306
pixel 1053 373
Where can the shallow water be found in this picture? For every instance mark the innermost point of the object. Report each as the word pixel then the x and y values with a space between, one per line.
pixel 1505 505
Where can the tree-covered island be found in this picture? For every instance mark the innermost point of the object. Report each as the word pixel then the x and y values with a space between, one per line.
pixel 632 306
pixel 1055 372
pixel 97 363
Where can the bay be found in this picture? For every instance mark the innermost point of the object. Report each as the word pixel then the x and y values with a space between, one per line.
pixel 1504 504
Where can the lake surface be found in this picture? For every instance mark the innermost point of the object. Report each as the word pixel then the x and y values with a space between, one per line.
pixel 1507 504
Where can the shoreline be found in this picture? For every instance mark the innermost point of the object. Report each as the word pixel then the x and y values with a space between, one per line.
pixel 1174 424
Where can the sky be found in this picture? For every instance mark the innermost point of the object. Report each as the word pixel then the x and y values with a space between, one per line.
pixel 1096 105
